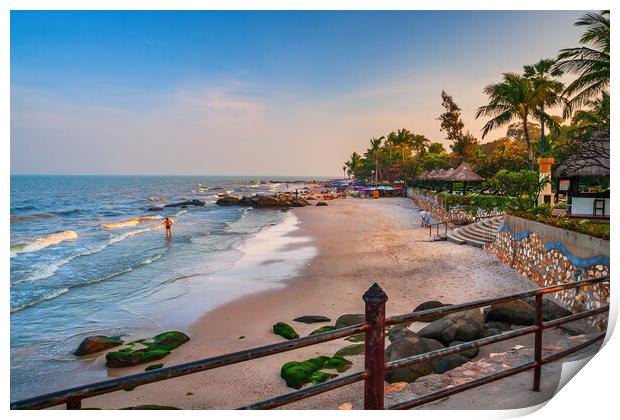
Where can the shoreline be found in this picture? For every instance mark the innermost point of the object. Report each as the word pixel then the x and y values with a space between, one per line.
pixel 358 242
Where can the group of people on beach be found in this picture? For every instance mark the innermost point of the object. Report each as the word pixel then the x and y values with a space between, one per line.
pixel 426 218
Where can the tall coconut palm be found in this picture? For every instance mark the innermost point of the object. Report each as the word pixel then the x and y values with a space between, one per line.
pixel 516 97
pixel 374 153
pixel 403 141
pixel 541 74
pixel 353 164
pixel 590 61
pixel 419 143
pixel 344 171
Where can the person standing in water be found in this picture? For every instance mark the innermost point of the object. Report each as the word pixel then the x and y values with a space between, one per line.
pixel 168 223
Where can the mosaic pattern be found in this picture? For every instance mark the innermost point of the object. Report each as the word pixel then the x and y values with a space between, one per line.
pixel 551 264
pixel 454 216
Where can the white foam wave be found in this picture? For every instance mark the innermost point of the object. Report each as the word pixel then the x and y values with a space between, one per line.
pixel 130 222
pixel 52 295
pixel 44 242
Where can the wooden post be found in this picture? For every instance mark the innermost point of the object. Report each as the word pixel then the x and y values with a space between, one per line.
pixel 538 337
pixel 74 404
pixel 374 349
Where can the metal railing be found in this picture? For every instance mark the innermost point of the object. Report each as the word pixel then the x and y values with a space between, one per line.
pixel 374 355
pixel 430 228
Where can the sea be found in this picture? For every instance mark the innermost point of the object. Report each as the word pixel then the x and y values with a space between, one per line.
pixel 87 257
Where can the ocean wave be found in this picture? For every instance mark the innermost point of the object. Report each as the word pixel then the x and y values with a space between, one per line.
pixel 28 217
pixel 44 242
pixel 62 291
pixel 130 222
pixel 48 296
pixel 66 212
pixel 123 236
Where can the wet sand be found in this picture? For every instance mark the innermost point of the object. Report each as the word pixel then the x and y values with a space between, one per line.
pixel 359 242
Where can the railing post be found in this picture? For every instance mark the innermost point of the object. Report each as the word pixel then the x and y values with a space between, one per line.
pixel 74 404
pixel 538 337
pixel 374 349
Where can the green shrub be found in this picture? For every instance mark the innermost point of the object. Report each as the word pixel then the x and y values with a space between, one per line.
pixel 599 230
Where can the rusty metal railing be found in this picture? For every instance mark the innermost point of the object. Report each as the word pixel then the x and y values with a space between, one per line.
pixel 374 357
pixel 430 228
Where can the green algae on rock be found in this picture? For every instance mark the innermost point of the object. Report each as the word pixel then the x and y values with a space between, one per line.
pixel 297 374
pixel 146 350
pixel 351 350
pixel 153 367
pixel 285 331
pixel 356 338
pixel 322 329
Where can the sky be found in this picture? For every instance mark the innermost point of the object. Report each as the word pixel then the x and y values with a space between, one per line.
pixel 251 93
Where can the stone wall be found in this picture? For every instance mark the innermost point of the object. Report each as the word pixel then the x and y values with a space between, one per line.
pixel 534 250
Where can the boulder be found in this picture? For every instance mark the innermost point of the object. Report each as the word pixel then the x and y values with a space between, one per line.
pixel 321 203
pixel 285 331
pixel 186 203
pixel 431 304
pixel 297 374
pixel 551 310
pixel 154 367
pixel 495 327
pixel 470 354
pixel 97 343
pixel 312 319
pixel 405 347
pixel 465 326
pixel 151 407
pixel 151 349
pixel 396 333
pixel 351 350
pixel 447 363
pixel 229 200
pixel 348 320
pixel 512 312
pixel 356 338
pixel 155 208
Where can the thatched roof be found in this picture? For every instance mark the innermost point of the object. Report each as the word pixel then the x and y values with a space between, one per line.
pixel 590 157
pixel 464 173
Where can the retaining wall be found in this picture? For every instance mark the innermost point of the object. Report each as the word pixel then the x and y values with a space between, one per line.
pixel 549 256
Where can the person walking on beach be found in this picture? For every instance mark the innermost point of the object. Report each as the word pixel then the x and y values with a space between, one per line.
pixel 168 223
pixel 428 218
pixel 423 215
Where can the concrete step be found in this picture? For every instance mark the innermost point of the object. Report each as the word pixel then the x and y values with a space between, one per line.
pixel 476 234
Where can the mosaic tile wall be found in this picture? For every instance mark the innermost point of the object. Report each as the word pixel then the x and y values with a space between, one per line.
pixel 550 264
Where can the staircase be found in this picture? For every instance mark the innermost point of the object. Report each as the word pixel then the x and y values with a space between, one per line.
pixel 476 234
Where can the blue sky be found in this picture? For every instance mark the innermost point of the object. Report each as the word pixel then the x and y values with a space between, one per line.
pixel 250 93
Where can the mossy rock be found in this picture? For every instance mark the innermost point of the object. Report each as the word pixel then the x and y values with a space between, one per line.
pixel 297 374
pixel 285 331
pixel 323 329
pixel 351 350
pixel 151 407
pixel 97 343
pixel 311 319
pixel 154 348
pixel 153 367
pixel 356 338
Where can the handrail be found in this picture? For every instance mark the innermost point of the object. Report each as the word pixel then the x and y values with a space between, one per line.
pixel 104 387
pixel 375 366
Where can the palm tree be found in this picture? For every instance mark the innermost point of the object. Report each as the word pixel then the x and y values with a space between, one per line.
pixel 517 97
pixel 403 141
pixel 540 74
pixel 419 143
pixel 590 61
pixel 596 117
pixel 374 152
pixel 353 164
pixel 344 171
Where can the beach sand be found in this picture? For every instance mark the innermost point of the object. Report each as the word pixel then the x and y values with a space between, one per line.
pixel 359 242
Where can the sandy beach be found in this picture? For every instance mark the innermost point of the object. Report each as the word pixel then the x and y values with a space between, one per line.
pixel 359 242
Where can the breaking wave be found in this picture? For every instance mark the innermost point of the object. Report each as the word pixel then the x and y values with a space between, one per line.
pixel 128 223
pixel 44 242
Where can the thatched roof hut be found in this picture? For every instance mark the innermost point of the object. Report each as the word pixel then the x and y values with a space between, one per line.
pixel 590 157
pixel 464 173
